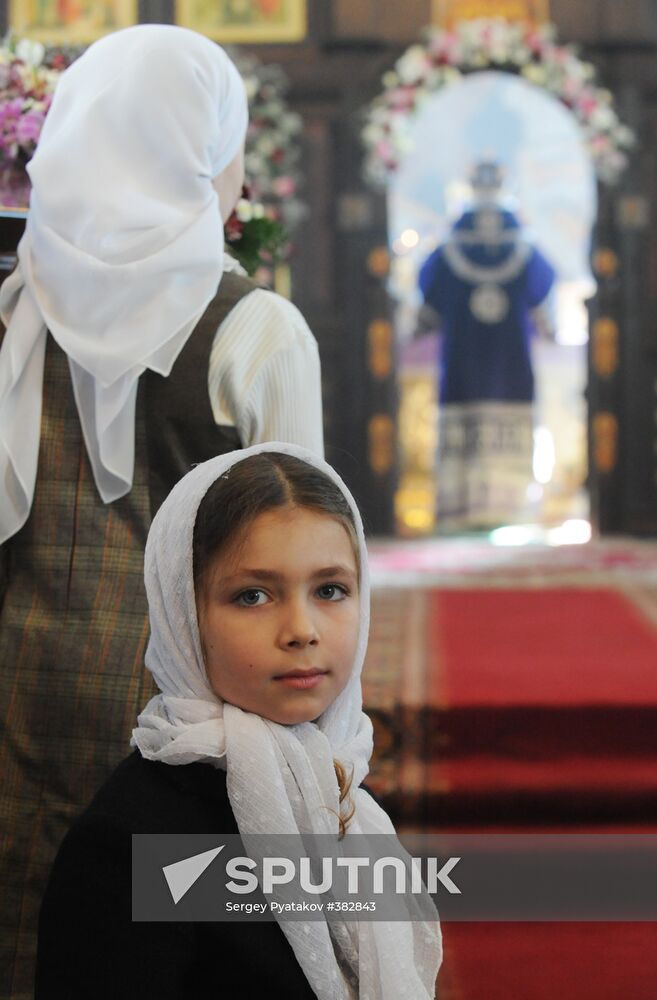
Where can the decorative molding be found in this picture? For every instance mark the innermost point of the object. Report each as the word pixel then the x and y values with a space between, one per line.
pixel 606 263
pixel 604 347
pixel 378 262
pixel 381 443
pixel 380 340
pixel 605 441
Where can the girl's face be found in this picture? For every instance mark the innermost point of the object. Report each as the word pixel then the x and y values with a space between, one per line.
pixel 278 616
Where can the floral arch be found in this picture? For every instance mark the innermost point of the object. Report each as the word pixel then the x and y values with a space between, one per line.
pixel 446 55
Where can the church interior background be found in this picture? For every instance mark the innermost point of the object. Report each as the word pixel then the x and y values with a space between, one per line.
pixel 573 133
pixel 511 674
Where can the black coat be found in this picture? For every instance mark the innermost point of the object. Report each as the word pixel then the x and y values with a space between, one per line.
pixel 88 945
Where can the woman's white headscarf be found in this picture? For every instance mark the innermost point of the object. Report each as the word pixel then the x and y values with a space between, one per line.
pixel 124 242
pixel 280 779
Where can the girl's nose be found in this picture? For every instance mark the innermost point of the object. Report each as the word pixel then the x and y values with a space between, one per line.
pixel 298 629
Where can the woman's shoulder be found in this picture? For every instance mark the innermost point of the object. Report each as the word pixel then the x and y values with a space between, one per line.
pixel 275 322
pixel 146 796
pixel 236 283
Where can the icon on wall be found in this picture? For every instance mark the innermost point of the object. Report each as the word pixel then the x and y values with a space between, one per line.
pixel 447 12
pixel 245 21
pixel 70 22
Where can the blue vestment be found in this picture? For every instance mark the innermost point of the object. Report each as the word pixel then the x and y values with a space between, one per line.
pixel 484 283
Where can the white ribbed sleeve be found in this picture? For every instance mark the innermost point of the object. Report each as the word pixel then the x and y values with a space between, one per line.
pixel 264 375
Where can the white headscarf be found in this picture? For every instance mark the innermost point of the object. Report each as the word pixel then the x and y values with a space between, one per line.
pixel 123 247
pixel 280 779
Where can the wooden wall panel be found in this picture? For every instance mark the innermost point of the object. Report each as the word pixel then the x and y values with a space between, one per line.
pixel 403 21
pixel 630 22
pixel 578 21
pixel 354 21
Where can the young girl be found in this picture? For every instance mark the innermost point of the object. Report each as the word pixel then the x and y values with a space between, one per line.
pixel 258 593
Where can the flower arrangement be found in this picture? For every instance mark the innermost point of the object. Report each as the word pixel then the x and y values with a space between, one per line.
pixel 27 83
pixel 446 55
pixel 273 151
pixel 254 238
pixel 257 232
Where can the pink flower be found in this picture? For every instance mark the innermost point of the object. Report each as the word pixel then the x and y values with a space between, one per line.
pixel 385 150
pixel 28 128
pixel 587 104
pixel 401 97
pixel 284 187
pixel 449 50
pixel 10 111
pixel 233 229
pixel 535 42
pixel 9 117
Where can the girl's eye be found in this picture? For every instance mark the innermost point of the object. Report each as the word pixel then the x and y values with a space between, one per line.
pixel 251 598
pixel 332 592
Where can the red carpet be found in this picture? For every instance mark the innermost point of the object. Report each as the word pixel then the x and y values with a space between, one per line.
pixel 522 707
pixel 514 705
pixel 556 647
pixel 549 962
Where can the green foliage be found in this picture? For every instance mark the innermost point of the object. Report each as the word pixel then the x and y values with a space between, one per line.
pixel 260 243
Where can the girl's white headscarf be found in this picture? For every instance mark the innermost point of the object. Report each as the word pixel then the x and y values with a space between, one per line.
pixel 124 242
pixel 280 779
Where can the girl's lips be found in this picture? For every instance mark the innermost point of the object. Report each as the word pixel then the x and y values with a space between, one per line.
pixel 302 681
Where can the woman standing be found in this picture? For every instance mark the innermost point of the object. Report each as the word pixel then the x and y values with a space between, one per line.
pixel 124 362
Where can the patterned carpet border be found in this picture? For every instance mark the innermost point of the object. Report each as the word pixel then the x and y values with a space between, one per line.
pixel 475 562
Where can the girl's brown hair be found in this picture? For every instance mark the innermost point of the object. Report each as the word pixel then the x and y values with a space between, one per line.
pixel 258 484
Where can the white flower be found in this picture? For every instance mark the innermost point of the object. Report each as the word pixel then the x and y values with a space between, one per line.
pixel 451 75
pixel 251 87
pixel 521 55
pixel 244 210
pixel 30 52
pixel 470 32
pixel 624 136
pixel 291 123
pixel 258 211
pixel 434 78
pixel 412 64
pixel 602 117
pixel 534 73
pixel 51 78
pixel 371 133
pixel 254 164
pixel 266 145
pixel 499 52
pixel 479 60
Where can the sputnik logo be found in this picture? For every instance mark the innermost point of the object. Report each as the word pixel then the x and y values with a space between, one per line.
pixel 182 875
